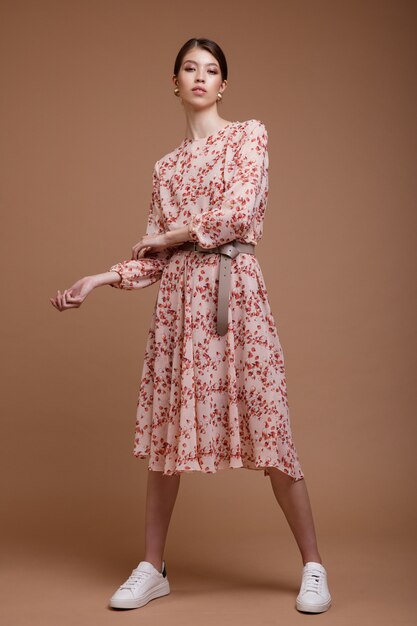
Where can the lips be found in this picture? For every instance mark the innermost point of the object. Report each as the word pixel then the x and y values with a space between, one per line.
pixel 199 89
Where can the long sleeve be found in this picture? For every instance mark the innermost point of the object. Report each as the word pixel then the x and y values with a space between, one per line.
pixel 140 273
pixel 240 200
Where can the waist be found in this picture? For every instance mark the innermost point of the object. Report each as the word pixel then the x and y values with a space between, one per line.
pixel 227 251
pixel 230 249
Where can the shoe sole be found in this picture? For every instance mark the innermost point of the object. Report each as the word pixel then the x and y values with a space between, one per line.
pixel 310 608
pixel 135 603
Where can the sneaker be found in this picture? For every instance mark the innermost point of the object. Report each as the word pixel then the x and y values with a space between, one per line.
pixel 144 584
pixel 314 596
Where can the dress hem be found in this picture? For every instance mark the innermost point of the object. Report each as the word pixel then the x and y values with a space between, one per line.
pixel 221 466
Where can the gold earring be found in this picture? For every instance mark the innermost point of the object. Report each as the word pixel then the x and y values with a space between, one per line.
pixel 177 91
pixel 219 97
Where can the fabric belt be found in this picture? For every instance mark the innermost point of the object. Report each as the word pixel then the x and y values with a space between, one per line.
pixel 227 251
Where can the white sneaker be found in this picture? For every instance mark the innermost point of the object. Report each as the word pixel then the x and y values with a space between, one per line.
pixel 145 583
pixel 314 596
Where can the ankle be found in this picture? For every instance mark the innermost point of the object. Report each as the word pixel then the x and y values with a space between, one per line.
pixel 157 563
pixel 315 558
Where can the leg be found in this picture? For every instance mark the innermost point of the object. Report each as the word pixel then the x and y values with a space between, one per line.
pixel 292 496
pixel 160 499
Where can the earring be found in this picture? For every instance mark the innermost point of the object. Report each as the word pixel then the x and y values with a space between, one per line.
pixel 177 91
pixel 219 97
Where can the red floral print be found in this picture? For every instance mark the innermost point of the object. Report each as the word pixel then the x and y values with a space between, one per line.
pixel 208 402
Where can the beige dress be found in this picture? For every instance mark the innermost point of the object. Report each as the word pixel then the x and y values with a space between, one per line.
pixel 208 402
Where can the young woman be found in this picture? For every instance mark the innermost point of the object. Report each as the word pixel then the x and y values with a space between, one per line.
pixel 213 390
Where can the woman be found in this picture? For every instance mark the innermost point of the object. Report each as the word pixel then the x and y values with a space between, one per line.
pixel 213 390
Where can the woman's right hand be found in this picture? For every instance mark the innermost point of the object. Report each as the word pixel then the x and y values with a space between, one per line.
pixel 74 296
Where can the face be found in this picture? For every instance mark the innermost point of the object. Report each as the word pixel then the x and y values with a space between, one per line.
pixel 199 68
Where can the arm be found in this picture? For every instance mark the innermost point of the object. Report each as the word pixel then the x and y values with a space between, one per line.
pixel 132 273
pixel 178 235
pixel 140 273
pixel 233 218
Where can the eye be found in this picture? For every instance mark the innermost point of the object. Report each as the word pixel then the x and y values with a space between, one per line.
pixel 187 69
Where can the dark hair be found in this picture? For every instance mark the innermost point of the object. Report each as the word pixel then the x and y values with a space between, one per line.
pixel 206 44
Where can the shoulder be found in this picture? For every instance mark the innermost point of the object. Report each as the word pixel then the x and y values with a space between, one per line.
pixel 168 161
pixel 253 127
pixel 250 132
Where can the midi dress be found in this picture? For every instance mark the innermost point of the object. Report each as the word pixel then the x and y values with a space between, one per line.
pixel 206 401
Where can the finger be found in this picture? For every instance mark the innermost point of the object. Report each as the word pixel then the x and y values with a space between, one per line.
pixel 67 300
pixel 74 299
pixel 143 251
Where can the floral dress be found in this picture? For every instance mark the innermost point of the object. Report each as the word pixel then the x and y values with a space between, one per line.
pixel 208 402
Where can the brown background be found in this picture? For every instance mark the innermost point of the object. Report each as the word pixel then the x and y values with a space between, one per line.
pixel 87 107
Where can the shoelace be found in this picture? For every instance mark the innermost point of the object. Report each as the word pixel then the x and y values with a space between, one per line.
pixel 134 579
pixel 312 581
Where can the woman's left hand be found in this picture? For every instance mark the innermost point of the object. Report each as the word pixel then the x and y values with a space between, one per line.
pixel 152 243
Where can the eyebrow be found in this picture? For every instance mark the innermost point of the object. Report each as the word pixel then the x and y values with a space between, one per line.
pixel 190 61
